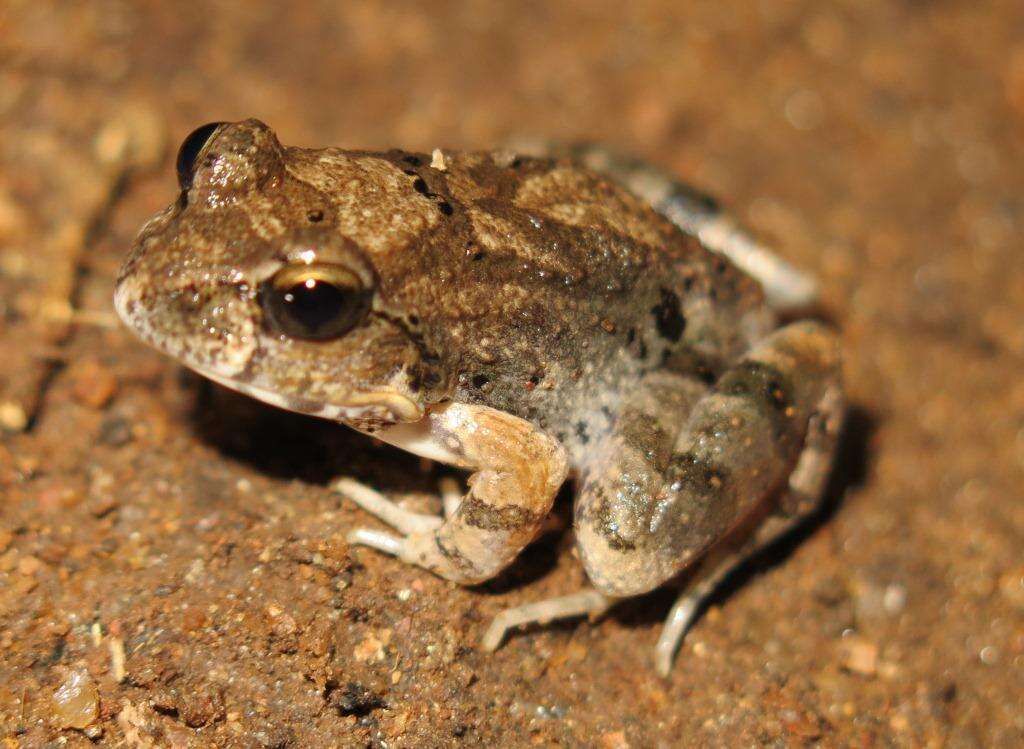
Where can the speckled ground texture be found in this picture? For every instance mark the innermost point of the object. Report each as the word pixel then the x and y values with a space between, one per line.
pixel 173 570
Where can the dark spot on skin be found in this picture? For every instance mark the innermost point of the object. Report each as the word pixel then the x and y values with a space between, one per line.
pixel 456 557
pixel 758 380
pixel 643 432
pixel 487 517
pixel 516 162
pixel 420 186
pixel 615 541
pixel 535 379
pixel 607 412
pixel 315 216
pixel 600 517
pixel 688 472
pixel 446 208
pixel 719 265
pixel 479 255
pixel 430 379
pixel 581 432
pixel 480 380
pixel 766 386
pixel 668 317
pixel 635 344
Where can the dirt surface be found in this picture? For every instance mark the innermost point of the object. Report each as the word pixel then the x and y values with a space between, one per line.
pixel 173 570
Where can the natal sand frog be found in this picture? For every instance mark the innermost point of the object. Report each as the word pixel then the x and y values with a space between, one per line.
pixel 525 318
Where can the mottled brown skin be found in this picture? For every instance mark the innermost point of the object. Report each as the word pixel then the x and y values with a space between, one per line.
pixel 530 318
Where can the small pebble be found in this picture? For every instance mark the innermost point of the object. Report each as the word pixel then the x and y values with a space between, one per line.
pixel 1011 587
pixel 12 417
pixel 29 565
pixel 859 656
pixel 75 703
pixel 614 740
pixel 92 384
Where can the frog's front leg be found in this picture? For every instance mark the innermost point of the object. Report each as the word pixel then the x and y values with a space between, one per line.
pixel 517 470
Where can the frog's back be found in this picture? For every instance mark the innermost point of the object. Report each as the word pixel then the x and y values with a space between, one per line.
pixel 569 288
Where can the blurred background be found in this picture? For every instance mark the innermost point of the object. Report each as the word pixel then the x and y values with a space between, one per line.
pixel 171 554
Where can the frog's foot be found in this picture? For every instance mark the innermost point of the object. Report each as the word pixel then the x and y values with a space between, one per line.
pixel 589 602
pixel 684 613
pixel 404 521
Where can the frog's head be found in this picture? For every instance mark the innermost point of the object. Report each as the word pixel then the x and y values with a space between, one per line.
pixel 249 280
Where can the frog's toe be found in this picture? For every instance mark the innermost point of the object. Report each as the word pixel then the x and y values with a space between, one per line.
pixel 588 602
pixel 404 521
pixel 380 540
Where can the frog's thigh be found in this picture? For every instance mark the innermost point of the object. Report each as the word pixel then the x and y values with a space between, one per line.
pixel 638 528
pixel 786 288
pixel 517 470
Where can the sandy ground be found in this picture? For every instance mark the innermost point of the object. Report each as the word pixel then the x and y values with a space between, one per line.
pixel 173 570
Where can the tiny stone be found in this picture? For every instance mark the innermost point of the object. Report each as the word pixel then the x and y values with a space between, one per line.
pixel 894 599
pixel 860 656
pixel 614 740
pixel 1011 586
pixel 92 384
pixel 989 655
pixel 29 565
pixel 76 702
pixel 437 160
pixel 102 504
pixel 12 417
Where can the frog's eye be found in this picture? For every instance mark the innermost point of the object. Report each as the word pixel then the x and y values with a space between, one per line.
pixel 316 302
pixel 191 148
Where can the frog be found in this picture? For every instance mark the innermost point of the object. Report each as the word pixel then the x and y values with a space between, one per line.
pixel 530 315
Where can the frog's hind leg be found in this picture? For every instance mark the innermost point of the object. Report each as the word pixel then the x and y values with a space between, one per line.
pixel 797 504
pixel 788 290
pixel 740 444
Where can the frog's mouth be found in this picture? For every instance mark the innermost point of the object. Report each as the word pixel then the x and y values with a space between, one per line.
pixel 377 406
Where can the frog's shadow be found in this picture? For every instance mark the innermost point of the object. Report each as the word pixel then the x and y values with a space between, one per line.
pixel 291 446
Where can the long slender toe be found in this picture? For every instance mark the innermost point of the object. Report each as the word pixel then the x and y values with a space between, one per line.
pixel 380 540
pixel 586 602
pixel 375 503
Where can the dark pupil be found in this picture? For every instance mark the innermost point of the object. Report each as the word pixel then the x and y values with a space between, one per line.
pixel 190 150
pixel 315 309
